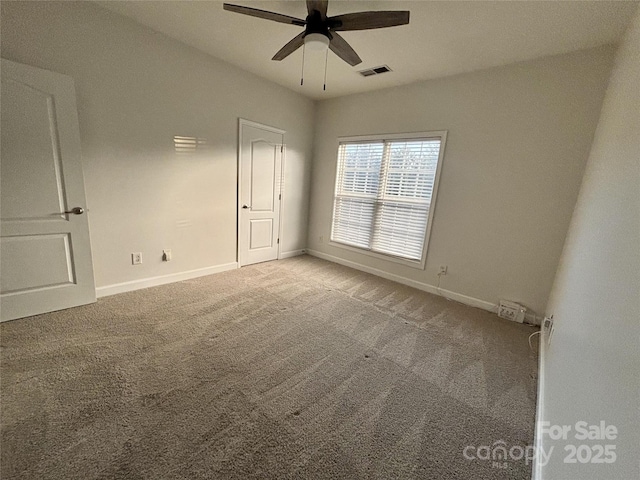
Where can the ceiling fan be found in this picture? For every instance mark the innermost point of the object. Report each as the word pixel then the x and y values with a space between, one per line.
pixel 321 31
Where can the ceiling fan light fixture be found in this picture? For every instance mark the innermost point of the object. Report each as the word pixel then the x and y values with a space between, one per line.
pixel 316 41
pixel 321 32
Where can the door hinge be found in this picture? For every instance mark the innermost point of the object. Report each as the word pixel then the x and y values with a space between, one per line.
pixel 279 196
pixel 278 241
pixel 281 148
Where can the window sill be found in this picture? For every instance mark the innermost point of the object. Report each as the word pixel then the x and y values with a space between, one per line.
pixel 417 264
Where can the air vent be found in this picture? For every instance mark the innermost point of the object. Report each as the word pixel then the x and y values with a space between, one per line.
pixel 374 71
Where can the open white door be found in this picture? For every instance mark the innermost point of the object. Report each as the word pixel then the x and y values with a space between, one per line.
pixel 45 252
pixel 259 195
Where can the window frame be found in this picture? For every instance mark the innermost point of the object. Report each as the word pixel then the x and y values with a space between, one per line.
pixel 438 134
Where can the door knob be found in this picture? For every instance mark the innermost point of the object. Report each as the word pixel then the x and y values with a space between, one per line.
pixel 245 206
pixel 76 211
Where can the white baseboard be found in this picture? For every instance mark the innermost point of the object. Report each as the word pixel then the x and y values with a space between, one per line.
pixel 292 253
pixel 530 317
pixel 162 280
pixel 536 473
pixel 458 297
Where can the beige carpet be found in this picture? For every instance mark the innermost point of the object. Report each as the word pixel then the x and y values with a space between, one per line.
pixel 292 369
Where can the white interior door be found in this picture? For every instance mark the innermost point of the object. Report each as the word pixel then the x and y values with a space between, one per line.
pixel 45 253
pixel 259 195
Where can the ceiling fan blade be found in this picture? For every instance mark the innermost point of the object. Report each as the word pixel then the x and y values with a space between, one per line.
pixel 341 48
pixel 290 47
pixel 368 20
pixel 254 12
pixel 319 5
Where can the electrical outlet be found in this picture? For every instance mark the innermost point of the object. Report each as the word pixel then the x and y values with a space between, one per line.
pixel 166 255
pixel 136 258
pixel 442 270
pixel 511 311
pixel 548 328
pixel 321 238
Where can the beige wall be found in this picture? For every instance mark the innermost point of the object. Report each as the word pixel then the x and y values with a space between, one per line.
pixel 136 89
pixel 518 140
pixel 591 369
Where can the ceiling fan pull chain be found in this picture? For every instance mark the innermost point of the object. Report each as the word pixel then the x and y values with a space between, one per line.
pixel 326 56
pixel 302 73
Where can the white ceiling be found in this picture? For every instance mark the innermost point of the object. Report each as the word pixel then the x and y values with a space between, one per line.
pixel 443 38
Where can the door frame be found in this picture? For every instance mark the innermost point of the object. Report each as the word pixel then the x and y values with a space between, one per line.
pixel 249 123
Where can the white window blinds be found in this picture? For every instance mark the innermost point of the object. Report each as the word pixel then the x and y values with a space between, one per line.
pixel 384 190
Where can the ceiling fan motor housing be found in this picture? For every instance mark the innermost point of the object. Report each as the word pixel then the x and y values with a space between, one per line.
pixel 316 24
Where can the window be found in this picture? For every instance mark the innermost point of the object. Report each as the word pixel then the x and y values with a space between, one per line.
pixel 385 188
